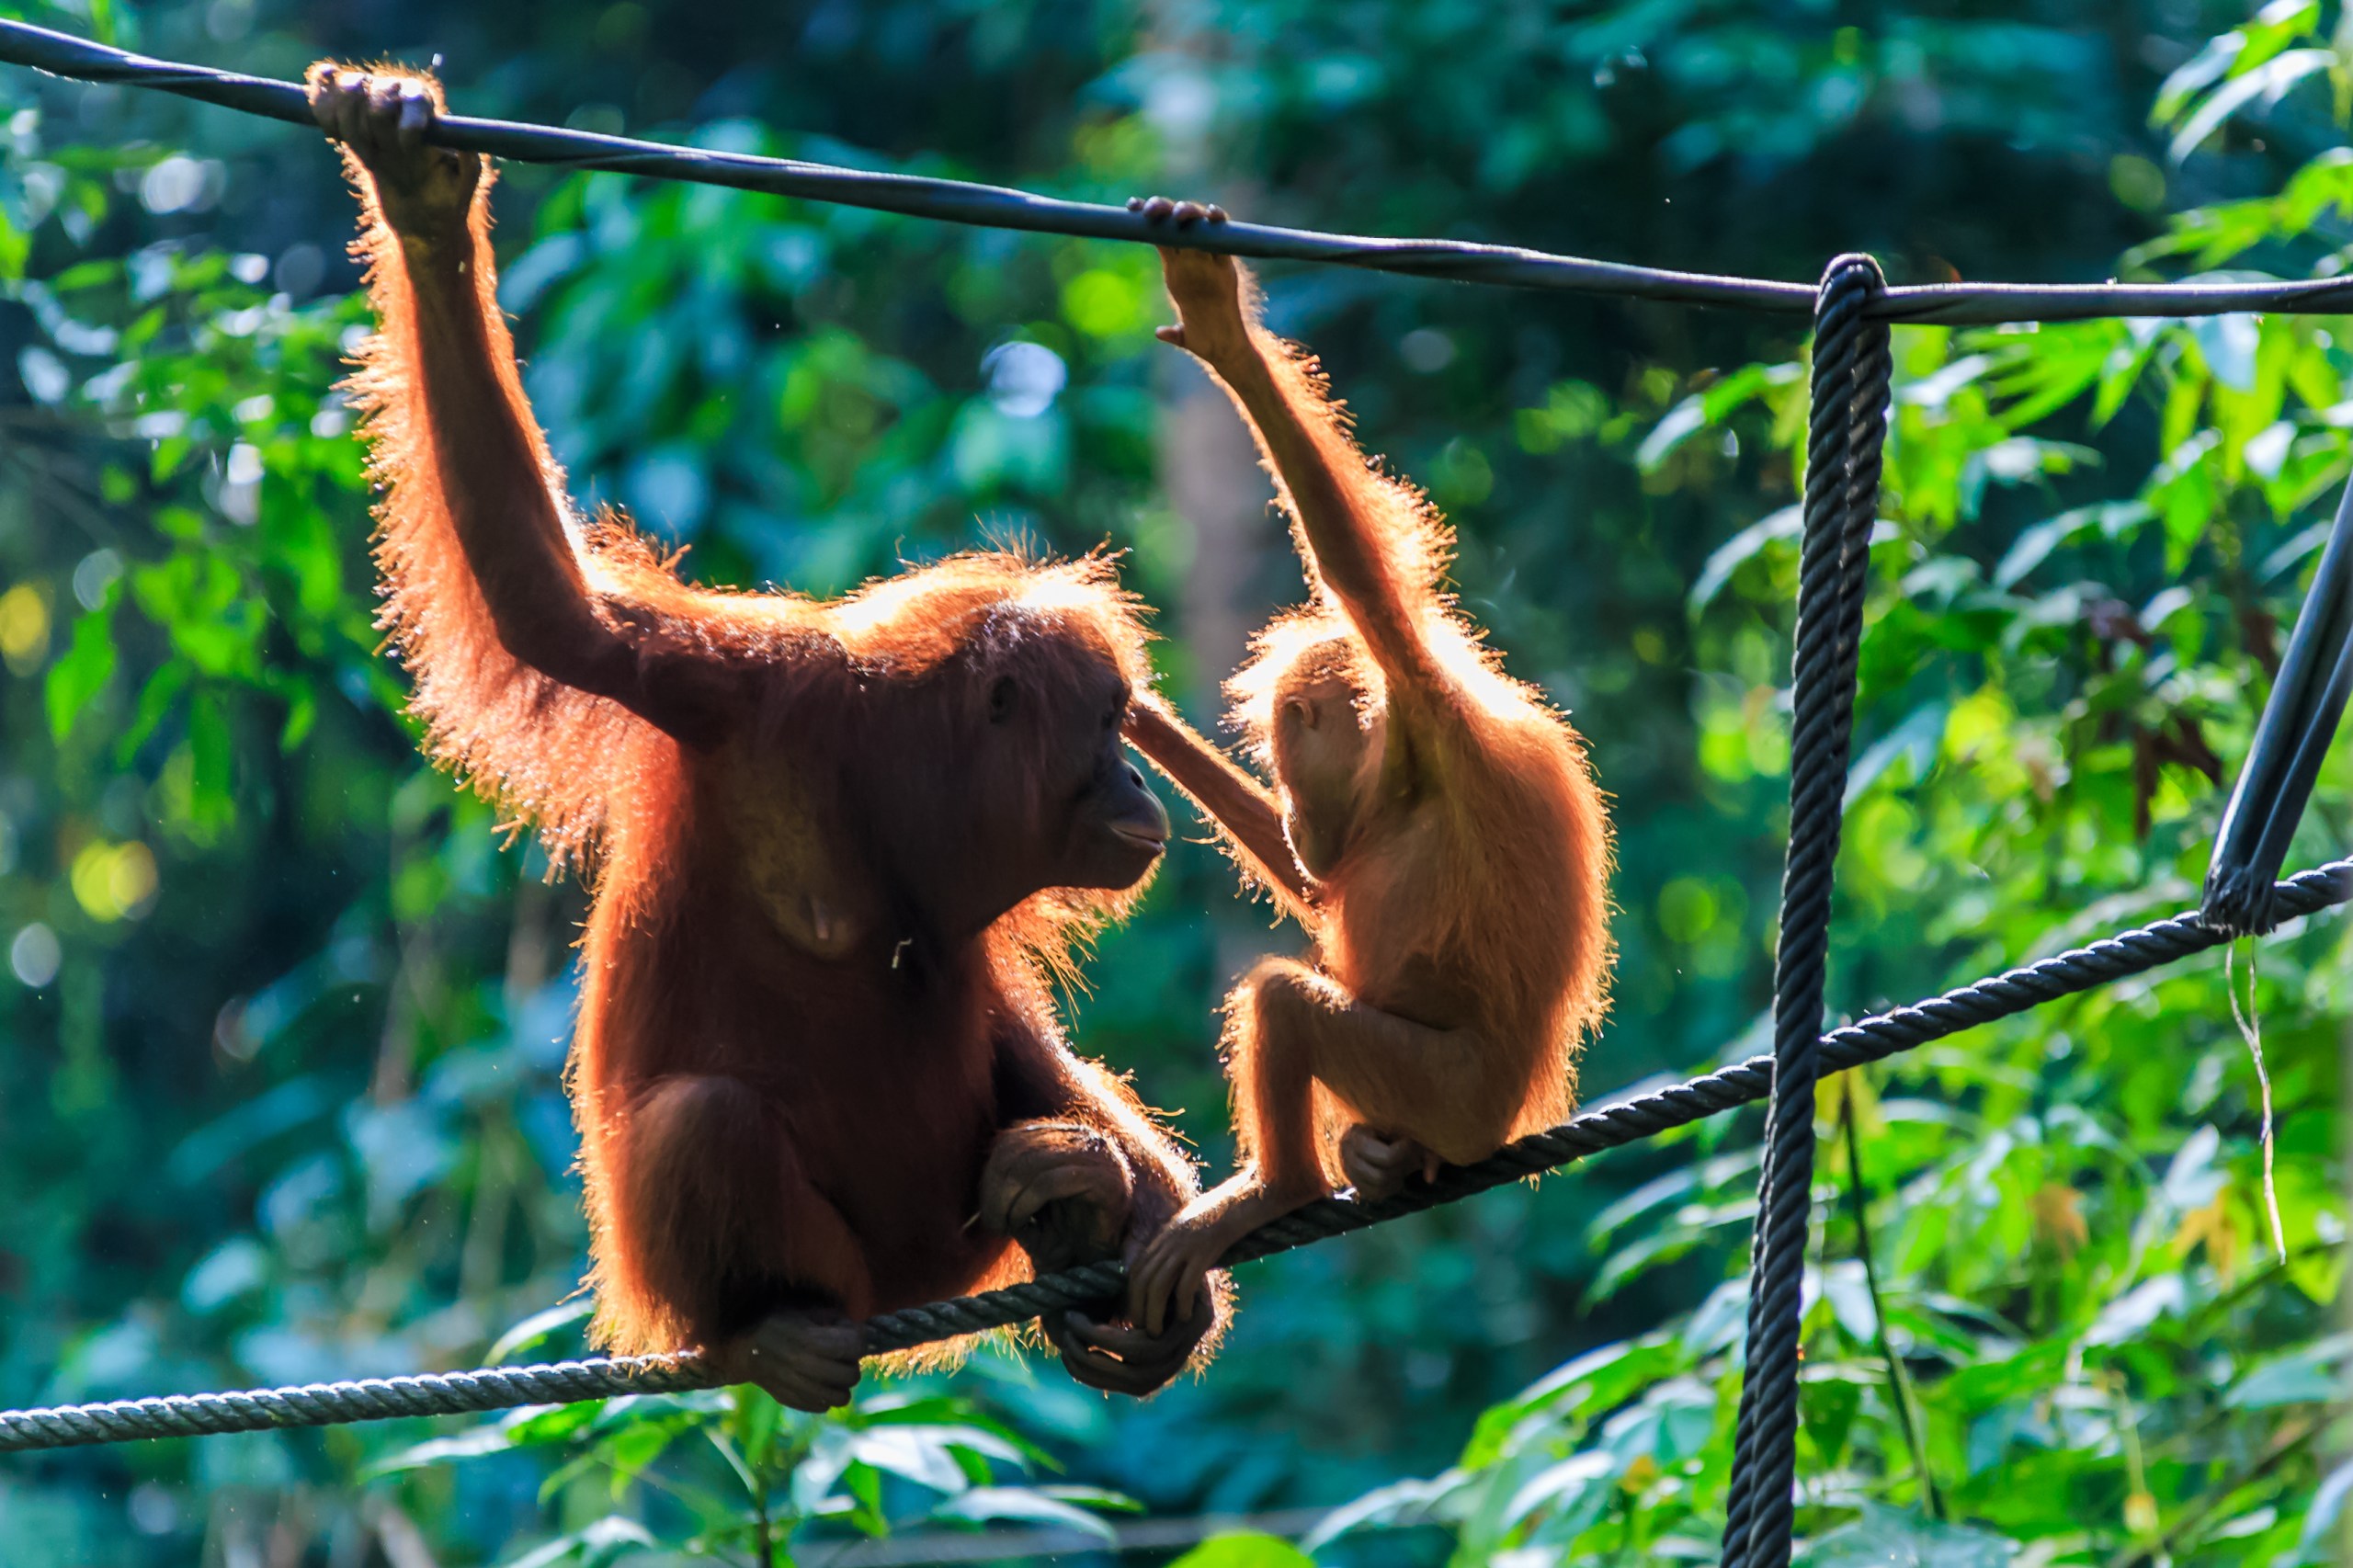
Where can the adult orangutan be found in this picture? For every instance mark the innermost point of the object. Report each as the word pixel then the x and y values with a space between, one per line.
pixel 1436 826
pixel 839 849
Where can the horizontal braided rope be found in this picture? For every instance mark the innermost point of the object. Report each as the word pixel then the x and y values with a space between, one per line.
pixel 955 201
pixel 1606 1127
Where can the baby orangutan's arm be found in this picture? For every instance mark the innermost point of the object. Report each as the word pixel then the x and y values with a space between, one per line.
pixel 1236 803
pixel 1373 541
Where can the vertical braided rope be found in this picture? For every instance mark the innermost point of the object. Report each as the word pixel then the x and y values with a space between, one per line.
pixel 1820 612
pixel 1851 370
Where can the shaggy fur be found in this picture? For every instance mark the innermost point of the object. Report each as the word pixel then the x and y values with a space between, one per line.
pixel 789 1072
pixel 1460 909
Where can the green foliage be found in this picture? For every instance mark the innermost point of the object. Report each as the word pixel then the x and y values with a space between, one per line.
pixel 2076 1286
pixel 286 1025
pixel 732 1472
pixel 1245 1549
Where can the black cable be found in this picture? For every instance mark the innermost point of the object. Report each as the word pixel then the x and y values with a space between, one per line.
pixel 956 202
pixel 2299 724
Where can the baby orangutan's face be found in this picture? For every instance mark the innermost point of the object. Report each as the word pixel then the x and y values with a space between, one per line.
pixel 1328 742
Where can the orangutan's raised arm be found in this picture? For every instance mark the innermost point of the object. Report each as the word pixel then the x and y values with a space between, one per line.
pixel 454 442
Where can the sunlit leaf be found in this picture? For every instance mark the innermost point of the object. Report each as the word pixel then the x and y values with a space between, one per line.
pixel 993 1505
pixel 1885 1538
pixel 1244 1550
pixel 537 1329
pixel 1787 523
pixel 78 675
pixel 2268 82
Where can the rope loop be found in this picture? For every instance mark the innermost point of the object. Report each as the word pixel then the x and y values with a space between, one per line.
pixel 1845 432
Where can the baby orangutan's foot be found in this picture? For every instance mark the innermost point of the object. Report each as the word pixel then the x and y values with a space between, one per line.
pixel 1184 214
pixel 1168 1278
pixel 1379 1166
pixel 805 1361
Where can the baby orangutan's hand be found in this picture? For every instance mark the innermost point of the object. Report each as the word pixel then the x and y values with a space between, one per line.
pixel 1212 292
pixel 424 192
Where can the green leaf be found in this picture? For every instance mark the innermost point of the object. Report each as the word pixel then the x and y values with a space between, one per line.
pixel 1101 1497
pixel 1408 1502
pixel 536 1424
pixel 2200 72
pixel 492 1439
pixel 537 1329
pixel 2294 553
pixel 1598 1381
pixel 211 802
pixel 1245 1548
pixel 992 1504
pixel 2110 519
pixel 1828 1407
pixel 1671 1187
pixel 80 673
pixel 1888 1537
pixel 2312 1375
pixel 755 1420
pixel 1683 421
pixel 2328 1507
pixel 1571 1493
pixel 607 1541
pixel 1787 523
pixel 630 1450
pixel 2268 82
pixel 927 1455
pixel 1916 741
pixel 156 700
pixel 2131 1315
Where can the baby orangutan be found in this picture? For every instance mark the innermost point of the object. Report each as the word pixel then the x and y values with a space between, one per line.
pixel 1434 824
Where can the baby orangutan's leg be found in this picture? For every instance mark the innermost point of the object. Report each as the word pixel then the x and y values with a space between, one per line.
pixel 1289 1027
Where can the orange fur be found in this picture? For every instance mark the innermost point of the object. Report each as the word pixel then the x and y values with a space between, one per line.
pixel 1471 895
pixel 787 1071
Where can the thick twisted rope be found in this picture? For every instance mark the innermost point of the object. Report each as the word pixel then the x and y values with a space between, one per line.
pixel 1849 399
pixel 955 201
pixel 1607 1126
